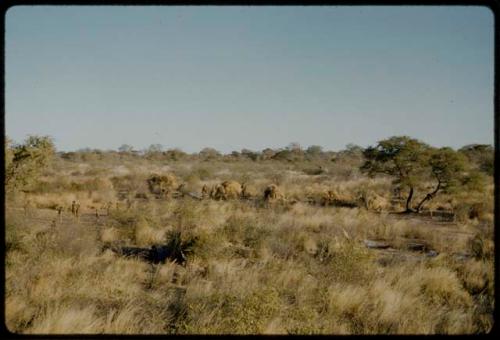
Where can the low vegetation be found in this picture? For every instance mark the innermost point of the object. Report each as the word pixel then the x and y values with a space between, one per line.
pixel 274 242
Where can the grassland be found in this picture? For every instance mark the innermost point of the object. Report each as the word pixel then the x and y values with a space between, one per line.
pixel 293 267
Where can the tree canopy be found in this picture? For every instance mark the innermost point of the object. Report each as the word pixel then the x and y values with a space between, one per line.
pixel 411 162
pixel 402 157
pixel 481 156
pixel 447 168
pixel 24 162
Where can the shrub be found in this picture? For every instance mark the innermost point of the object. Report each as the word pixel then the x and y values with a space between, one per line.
pixel 246 230
pixel 349 262
pixel 233 314
pixel 25 162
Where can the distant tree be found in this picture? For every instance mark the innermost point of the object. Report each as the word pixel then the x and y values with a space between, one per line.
pixel 481 155
pixel 354 150
pixel 155 148
pixel 125 148
pixel 284 155
pixel 154 152
pixel 250 154
pixel 25 162
pixel 314 150
pixel 294 147
pixel 175 154
pixel 267 153
pixel 293 152
pixel 402 157
pixel 209 154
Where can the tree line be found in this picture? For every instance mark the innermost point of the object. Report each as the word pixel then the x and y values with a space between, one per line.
pixel 411 163
pixel 291 153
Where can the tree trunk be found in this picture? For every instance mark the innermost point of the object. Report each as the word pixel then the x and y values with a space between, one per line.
pixel 408 201
pixel 428 197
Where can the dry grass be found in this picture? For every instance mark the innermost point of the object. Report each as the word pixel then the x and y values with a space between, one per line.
pixel 267 269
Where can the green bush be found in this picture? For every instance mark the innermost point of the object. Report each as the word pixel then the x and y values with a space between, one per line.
pixel 25 162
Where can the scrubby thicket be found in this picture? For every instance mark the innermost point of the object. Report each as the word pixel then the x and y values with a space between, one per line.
pixel 296 262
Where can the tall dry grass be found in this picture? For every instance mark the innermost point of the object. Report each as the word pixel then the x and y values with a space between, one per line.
pixel 255 269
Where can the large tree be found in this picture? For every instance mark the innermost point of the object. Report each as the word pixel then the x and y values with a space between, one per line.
pixel 401 157
pixel 447 169
pixel 413 163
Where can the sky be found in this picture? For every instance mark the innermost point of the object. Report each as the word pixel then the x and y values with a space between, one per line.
pixel 247 76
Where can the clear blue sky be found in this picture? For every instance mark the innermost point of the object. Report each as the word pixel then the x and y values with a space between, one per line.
pixel 249 77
